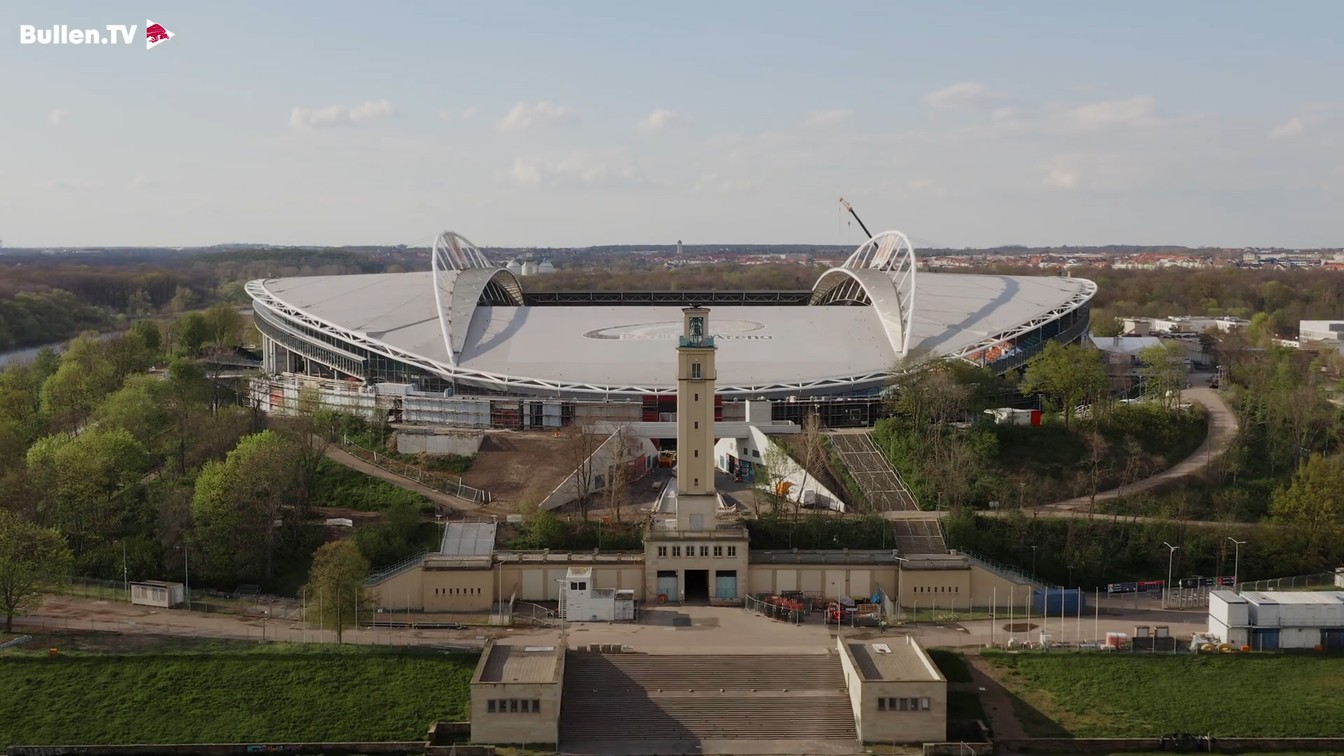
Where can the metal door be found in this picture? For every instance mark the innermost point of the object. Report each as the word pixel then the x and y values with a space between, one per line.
pixel 667 584
pixel 725 585
pixel 835 584
pixel 1333 640
pixel 1265 640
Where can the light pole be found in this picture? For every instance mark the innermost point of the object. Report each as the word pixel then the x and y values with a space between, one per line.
pixel 561 611
pixel 1033 561
pixel 1166 587
pixel 1236 562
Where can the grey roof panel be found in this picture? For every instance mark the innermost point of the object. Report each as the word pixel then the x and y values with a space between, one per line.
pixel 468 539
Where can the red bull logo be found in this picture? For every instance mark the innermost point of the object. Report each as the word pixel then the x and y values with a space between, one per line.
pixel 155 34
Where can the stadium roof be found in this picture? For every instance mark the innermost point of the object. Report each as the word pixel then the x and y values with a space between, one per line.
pixel 470 324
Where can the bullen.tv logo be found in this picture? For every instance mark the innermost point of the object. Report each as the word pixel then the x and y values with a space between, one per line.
pixel 111 34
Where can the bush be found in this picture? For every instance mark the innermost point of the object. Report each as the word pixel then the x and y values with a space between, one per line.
pixel 339 486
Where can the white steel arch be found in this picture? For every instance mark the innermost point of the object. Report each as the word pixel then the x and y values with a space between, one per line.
pixel 462 277
pixel 880 273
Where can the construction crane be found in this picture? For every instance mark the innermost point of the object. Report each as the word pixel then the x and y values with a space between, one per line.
pixel 850 208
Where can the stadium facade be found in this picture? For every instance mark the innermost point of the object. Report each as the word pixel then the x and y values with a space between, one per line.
pixel 467 327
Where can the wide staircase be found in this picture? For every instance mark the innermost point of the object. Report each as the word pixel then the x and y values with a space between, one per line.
pixel 881 485
pixel 683 703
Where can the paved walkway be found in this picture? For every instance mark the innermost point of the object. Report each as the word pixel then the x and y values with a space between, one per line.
pixel 345 458
pixel 1222 430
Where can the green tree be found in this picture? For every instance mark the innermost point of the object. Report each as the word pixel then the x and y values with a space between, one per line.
pixel 1068 375
pixel 79 481
pixel 149 334
pixel 84 377
pixel 238 502
pixel 1313 504
pixel 191 332
pixel 33 561
pixel 142 407
pixel 335 589
pixel 224 325
pixel 1165 372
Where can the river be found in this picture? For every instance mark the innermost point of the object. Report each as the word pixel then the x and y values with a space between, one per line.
pixel 26 355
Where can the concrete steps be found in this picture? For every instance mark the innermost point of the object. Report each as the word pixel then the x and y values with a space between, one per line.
pixel 680 698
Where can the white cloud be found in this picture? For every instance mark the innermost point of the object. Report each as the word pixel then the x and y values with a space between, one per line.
pixel 1290 128
pixel 57 117
pixel 965 94
pixel 445 114
pixel 67 183
pixel 470 112
pixel 574 171
pixel 1135 111
pixel 1061 178
pixel 303 118
pixel 662 118
pixel 832 117
pixel 526 116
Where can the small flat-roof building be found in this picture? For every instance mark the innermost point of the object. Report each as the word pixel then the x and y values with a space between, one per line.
pixel 515 694
pixel 897 693
pixel 158 593
pixel 1274 620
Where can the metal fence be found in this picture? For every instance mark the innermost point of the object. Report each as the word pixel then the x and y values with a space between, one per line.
pixel 774 611
pixel 200 601
pixel 428 479
pixel 1314 582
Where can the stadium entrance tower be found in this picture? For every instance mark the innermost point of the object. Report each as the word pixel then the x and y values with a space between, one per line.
pixel 696 547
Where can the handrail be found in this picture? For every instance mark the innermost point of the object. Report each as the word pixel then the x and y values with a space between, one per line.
pixel 1005 570
pixel 405 565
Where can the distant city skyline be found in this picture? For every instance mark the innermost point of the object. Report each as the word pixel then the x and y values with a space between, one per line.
pixel 525 124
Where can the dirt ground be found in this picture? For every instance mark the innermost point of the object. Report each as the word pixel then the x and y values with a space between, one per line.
pixel 514 466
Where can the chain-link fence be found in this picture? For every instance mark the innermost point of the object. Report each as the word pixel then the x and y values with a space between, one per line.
pixel 201 601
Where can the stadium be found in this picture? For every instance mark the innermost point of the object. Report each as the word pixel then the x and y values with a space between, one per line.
pixel 468 327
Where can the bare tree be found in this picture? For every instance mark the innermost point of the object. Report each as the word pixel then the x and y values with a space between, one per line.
pixel 581 442
pixel 1098 457
pixel 620 471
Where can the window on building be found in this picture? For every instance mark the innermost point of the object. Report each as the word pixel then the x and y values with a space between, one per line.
pixel 697 481
pixel 697 425
pixel 881 704
pixel 676 551
pixel 513 706
pixel 697 397
pixel 490 706
pixel 695 370
pixel 732 551
pixel 923 704
pixel 704 551
pixel 697 454
pixel 662 552
pixel 718 551
pixel 536 705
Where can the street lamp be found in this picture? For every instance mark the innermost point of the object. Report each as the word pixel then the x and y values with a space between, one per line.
pixel 561 608
pixel 1033 561
pixel 1236 562
pixel 899 580
pixel 1166 588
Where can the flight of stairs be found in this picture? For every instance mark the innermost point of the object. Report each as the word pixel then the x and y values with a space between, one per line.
pixel 679 698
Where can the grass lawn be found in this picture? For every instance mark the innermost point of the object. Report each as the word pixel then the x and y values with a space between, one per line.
pixel 1113 695
pixel 272 693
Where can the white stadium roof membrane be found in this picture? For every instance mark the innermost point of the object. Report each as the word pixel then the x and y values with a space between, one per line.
pixel 466 320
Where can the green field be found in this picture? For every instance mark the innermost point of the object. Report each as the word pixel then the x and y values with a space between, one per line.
pixel 272 693
pixel 1134 695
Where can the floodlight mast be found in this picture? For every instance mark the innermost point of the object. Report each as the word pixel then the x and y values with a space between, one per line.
pixel 850 208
